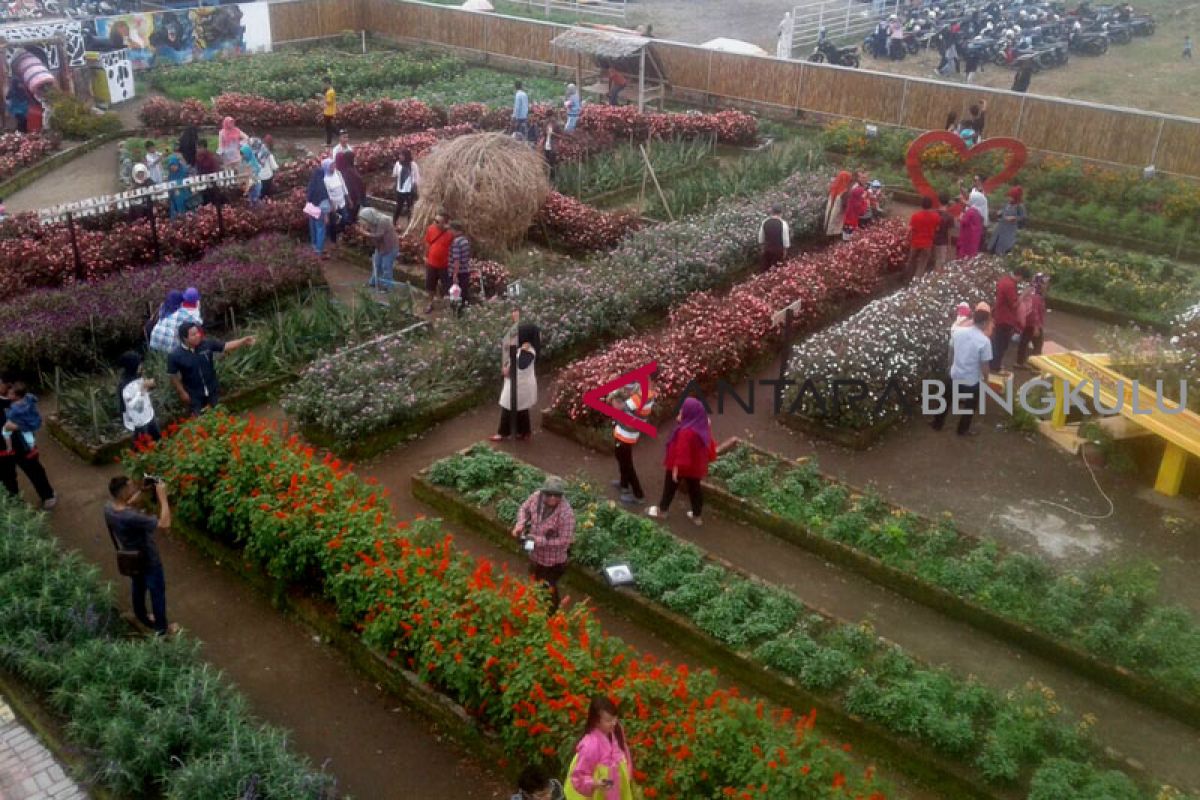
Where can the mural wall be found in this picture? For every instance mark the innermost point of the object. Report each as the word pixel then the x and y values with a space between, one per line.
pixel 180 37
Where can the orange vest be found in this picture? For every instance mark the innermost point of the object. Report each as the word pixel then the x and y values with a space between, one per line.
pixel 635 406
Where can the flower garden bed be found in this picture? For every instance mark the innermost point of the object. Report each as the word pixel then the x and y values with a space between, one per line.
pixel 890 359
pixel 469 629
pixel 340 400
pixel 88 421
pixel 64 638
pixel 1106 625
pixel 710 335
pixel 984 741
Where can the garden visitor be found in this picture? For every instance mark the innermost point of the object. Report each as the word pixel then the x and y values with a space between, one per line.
pixel 338 194
pixel 602 766
pixel 317 207
pixel 1187 48
pixel 1006 315
pixel 188 140
pixel 952 122
pixel 17 453
pixel 549 147
pixel 574 107
pixel 460 264
pixel 379 227
pixel 972 64
pixel 330 109
pixel 856 206
pixel 895 38
pixel 229 143
pixel 140 175
pixel 521 356
pixel 964 317
pixel 343 145
pixel 785 36
pixel 977 118
pixel 191 368
pixel 133 398
pixel 970 351
pixel 267 165
pixel 976 197
pixel 18 103
pixel 1033 319
pixel 167 307
pixel 1024 75
pixel 356 188
pixel 922 228
pixel 875 202
pixel 616 84
pixel 249 168
pixel 968 134
pixel 178 196
pixel 165 336
pixel 154 162
pixel 520 114
pixel 970 232
pixel 131 530
pixel 942 253
pixel 546 527
pixel 1012 219
pixel 438 238
pixel 690 449
pixel 191 303
pixel 408 181
pixel 774 238
pixel 635 404
pixel 835 203
pixel 22 418
pixel 535 784
pixel 207 164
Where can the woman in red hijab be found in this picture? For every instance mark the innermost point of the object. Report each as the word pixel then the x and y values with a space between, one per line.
pixel 856 206
pixel 835 202
pixel 690 449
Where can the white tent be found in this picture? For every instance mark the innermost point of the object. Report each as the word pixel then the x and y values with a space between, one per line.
pixel 477 5
pixel 734 46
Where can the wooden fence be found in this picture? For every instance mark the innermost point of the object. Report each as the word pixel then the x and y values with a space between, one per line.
pixel 1121 136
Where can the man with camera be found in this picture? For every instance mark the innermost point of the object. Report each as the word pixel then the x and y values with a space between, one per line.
pixel 546 528
pixel 132 533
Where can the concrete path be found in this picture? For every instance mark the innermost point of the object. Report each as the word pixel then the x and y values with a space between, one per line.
pixel 28 771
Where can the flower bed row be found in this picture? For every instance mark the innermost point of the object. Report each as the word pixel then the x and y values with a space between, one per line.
pixel 1113 615
pixel 88 420
pixel 713 335
pixel 890 359
pixel 19 150
pixel 149 713
pixel 354 399
pixel 409 116
pixel 477 633
pixel 1008 738
pixel 73 327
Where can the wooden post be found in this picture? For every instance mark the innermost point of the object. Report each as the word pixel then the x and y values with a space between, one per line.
pixel 1170 470
pixel 657 186
pixel 642 81
pixel 1058 418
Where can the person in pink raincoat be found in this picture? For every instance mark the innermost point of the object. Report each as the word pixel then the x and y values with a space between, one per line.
pixel 970 232
pixel 602 762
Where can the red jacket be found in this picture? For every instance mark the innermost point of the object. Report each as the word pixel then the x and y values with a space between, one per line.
pixel 689 454
pixel 438 241
pixel 1005 312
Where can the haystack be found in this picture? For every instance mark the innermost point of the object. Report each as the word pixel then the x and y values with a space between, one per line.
pixel 496 185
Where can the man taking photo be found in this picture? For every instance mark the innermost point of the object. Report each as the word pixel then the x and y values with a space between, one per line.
pixel 133 532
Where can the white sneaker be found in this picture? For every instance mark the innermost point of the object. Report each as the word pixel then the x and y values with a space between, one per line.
pixel 694 518
pixel 50 503
pixel 653 511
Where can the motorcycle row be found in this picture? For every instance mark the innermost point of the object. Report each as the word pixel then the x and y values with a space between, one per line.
pixel 1039 34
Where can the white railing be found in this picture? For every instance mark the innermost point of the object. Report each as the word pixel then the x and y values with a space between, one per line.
pixel 843 20
pixel 609 9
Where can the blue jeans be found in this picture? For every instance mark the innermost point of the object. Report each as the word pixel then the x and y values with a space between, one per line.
pixel 255 192
pixel 155 582
pixel 572 121
pixel 316 233
pixel 382 265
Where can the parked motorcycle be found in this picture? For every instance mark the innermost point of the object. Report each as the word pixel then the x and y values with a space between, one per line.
pixel 831 53
pixel 1089 44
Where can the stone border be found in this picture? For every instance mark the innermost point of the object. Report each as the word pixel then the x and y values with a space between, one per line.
pixel 1110 675
pixel 919 762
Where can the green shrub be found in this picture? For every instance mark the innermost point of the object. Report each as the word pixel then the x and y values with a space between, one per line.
pixel 74 119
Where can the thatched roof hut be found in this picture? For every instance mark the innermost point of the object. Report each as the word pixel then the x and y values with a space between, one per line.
pixel 629 53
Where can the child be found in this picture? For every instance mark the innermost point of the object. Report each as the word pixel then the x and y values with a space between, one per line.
pixel 22 416
pixel 154 162
pixel 631 401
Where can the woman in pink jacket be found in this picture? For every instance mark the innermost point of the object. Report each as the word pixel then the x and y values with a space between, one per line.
pixel 970 232
pixel 602 767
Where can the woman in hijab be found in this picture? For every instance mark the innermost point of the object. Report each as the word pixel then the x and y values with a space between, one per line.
pixel 356 189
pixel 835 203
pixel 168 307
pixel 574 107
pixel 1033 304
pixel 1012 219
pixel 178 195
pixel 229 143
pixel 408 179
pixel 187 144
pixel 970 232
pixel 133 396
pixel 529 342
pixel 335 187
pixel 317 206
pixel 690 449
pixel 267 165
pixel 249 166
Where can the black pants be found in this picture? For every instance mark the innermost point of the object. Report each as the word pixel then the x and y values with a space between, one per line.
pixel 695 493
pixel 552 160
pixel 1027 338
pixel 629 476
pixel 404 205
pixel 550 577
pixel 335 225
pixel 523 426
pixel 29 463
pixel 464 283
pixel 329 131
pixel 268 187
pixel 969 401
pixel 770 258
pixel 1001 337
pixel 155 582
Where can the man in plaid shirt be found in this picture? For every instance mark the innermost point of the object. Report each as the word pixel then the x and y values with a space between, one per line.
pixel 546 523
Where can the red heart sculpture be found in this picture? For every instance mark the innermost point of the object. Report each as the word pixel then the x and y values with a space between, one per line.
pixel 1015 157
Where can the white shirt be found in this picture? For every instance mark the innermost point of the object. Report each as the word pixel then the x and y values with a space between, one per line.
pixel 971 350
pixel 336 187
pixel 414 177
pixel 978 200
pixel 340 148
pixel 548 146
pixel 154 167
pixel 139 410
pixel 267 167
